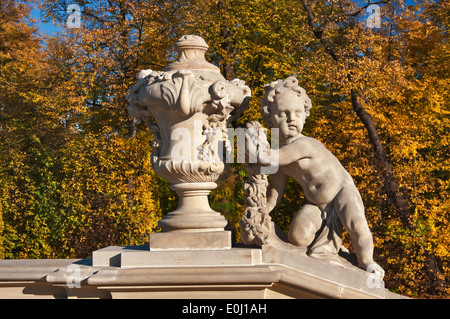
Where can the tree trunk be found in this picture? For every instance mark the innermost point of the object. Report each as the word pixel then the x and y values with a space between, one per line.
pixel 384 167
pixel 132 128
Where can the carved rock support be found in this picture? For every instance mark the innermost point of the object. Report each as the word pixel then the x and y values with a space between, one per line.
pixel 257 227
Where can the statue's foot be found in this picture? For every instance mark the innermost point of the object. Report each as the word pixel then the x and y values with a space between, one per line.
pixel 376 269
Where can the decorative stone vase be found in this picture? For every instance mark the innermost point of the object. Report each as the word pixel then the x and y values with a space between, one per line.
pixel 187 107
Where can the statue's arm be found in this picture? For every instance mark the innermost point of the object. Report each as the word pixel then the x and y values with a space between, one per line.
pixel 287 154
pixel 276 190
pixel 294 152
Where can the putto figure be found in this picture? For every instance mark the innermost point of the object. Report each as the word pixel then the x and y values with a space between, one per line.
pixel 333 199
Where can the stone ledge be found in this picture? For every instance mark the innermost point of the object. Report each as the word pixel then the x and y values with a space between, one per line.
pixel 270 272
pixel 140 256
pixel 178 240
pixel 185 276
pixel 32 269
pixel 339 272
pixel 337 276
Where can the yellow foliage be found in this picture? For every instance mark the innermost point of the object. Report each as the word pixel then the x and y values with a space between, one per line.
pixel 75 171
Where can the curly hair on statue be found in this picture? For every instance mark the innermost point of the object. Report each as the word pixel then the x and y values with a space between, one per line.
pixel 276 87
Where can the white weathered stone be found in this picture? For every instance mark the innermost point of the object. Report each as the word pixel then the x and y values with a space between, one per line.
pixel 290 265
pixel 197 240
pixel 333 199
pixel 140 256
pixel 237 273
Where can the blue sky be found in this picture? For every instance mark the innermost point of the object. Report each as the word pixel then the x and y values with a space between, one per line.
pixel 50 29
pixel 45 28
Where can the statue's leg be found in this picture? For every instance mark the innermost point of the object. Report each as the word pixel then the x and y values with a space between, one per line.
pixel 304 225
pixel 350 209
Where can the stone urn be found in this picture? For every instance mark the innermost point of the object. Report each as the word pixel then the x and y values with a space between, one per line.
pixel 188 107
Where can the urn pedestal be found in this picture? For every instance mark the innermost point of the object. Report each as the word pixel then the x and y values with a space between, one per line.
pixel 193 225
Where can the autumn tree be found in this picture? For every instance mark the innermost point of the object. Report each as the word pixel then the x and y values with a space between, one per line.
pixel 75 171
pixel 30 133
pixel 107 164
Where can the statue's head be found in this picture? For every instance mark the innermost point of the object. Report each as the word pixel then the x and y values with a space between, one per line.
pixel 285 105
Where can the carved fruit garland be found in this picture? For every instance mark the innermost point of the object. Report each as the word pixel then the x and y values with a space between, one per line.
pixel 256 225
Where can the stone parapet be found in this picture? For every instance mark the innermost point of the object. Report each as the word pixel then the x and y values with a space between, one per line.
pixel 236 273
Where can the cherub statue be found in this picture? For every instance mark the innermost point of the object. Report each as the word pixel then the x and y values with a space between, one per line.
pixel 333 199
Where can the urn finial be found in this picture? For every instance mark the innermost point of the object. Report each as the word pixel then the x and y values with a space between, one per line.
pixel 191 51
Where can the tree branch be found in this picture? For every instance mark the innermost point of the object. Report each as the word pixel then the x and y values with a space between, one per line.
pixel 318 32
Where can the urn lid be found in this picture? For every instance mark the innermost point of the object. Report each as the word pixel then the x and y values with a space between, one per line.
pixel 191 51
